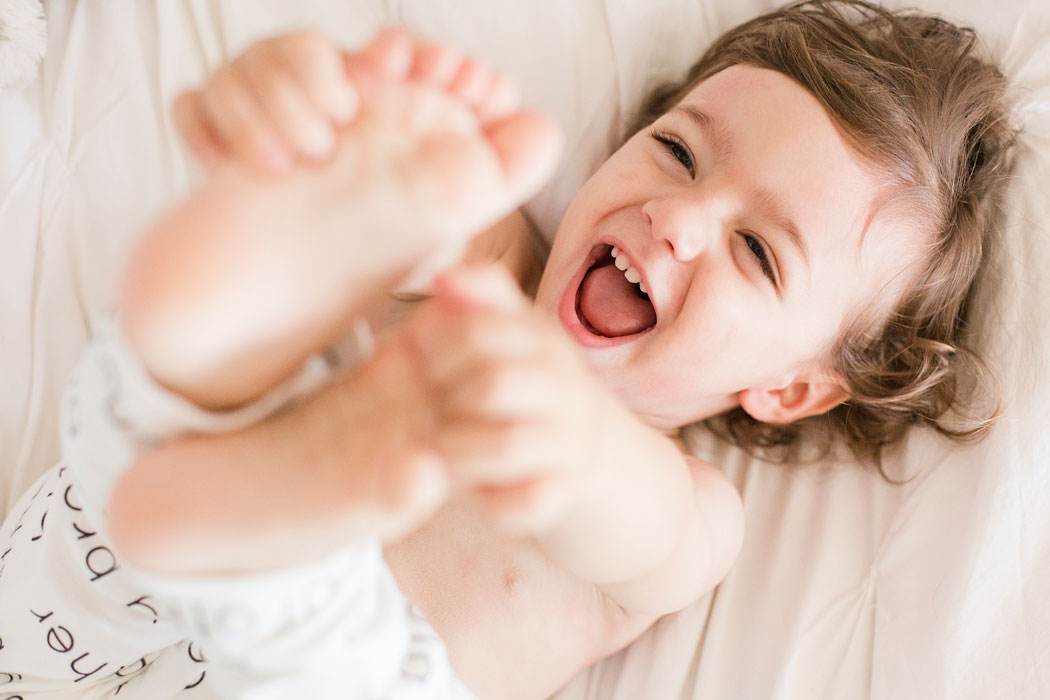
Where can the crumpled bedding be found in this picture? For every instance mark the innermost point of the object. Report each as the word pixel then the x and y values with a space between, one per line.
pixel 847 586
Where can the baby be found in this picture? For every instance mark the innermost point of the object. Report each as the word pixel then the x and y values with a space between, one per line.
pixel 514 458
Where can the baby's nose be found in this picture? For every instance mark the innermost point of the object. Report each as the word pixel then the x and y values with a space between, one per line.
pixel 686 224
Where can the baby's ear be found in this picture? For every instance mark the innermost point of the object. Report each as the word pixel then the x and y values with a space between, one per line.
pixel 805 396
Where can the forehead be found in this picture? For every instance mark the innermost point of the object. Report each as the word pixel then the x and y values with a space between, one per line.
pixel 777 138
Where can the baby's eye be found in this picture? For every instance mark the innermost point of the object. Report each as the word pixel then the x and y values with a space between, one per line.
pixel 761 256
pixel 676 148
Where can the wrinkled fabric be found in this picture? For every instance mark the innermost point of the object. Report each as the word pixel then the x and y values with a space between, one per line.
pixel 847 587
pixel 77 620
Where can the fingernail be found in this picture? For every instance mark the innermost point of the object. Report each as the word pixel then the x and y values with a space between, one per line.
pixel 345 107
pixel 319 141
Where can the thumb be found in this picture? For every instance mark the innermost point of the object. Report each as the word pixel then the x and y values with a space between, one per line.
pixel 409 491
pixel 480 287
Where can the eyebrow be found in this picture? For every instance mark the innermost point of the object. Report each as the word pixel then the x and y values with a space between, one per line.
pixel 716 131
pixel 712 127
pixel 777 213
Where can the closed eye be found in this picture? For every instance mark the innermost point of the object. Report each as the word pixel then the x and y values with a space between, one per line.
pixel 677 149
pixel 761 255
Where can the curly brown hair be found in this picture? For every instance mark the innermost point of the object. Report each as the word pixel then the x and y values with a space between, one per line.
pixel 909 93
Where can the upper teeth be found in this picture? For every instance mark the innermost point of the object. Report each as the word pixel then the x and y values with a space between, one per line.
pixel 629 271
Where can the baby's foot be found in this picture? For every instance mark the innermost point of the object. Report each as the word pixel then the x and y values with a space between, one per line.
pixel 439 150
pixel 254 273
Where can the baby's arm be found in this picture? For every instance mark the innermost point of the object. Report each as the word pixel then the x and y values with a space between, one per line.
pixel 554 456
pixel 232 290
pixel 238 330
pixel 346 463
pixel 76 615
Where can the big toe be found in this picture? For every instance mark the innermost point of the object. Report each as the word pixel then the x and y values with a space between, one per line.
pixel 527 145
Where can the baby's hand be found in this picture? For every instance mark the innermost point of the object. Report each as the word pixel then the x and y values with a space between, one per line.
pixel 390 479
pixel 517 410
pixel 282 99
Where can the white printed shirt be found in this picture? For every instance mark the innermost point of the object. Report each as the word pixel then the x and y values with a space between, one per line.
pixel 77 622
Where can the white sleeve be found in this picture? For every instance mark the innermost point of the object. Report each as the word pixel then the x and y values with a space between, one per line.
pixel 113 408
pixel 72 615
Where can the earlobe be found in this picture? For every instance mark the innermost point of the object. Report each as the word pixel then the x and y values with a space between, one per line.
pixel 797 400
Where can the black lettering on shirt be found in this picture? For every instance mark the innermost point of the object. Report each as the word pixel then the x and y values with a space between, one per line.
pixel 198 657
pixel 39 617
pixel 65 497
pixel 194 684
pixel 131 668
pixel 84 534
pixel 106 566
pixel 84 674
pixel 60 639
pixel 141 602
pixel 42 519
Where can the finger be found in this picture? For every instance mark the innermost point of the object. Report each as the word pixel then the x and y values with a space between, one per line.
pixel 481 287
pixel 297 119
pixel 528 507
pixel 239 122
pixel 450 342
pixel 499 391
pixel 398 497
pixel 317 68
pixel 482 452
pixel 193 128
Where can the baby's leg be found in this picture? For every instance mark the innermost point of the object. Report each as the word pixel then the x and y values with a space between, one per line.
pixel 232 290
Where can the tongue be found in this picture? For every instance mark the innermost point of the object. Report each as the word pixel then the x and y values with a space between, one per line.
pixel 612 305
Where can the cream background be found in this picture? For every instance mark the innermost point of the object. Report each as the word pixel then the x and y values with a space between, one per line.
pixel 846 587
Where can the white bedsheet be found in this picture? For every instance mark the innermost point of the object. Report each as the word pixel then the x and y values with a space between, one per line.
pixel 847 587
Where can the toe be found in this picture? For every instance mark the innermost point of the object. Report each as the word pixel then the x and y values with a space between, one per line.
pixel 500 100
pixel 471 83
pixel 527 145
pixel 388 57
pixel 435 64
pixel 195 130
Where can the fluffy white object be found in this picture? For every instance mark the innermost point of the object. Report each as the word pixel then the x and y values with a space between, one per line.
pixel 23 40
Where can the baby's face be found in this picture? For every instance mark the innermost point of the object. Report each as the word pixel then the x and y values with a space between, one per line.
pixel 749 223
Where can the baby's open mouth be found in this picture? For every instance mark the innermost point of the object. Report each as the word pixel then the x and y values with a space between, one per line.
pixel 610 302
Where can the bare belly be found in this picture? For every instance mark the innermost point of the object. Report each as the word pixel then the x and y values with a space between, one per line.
pixel 516 626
